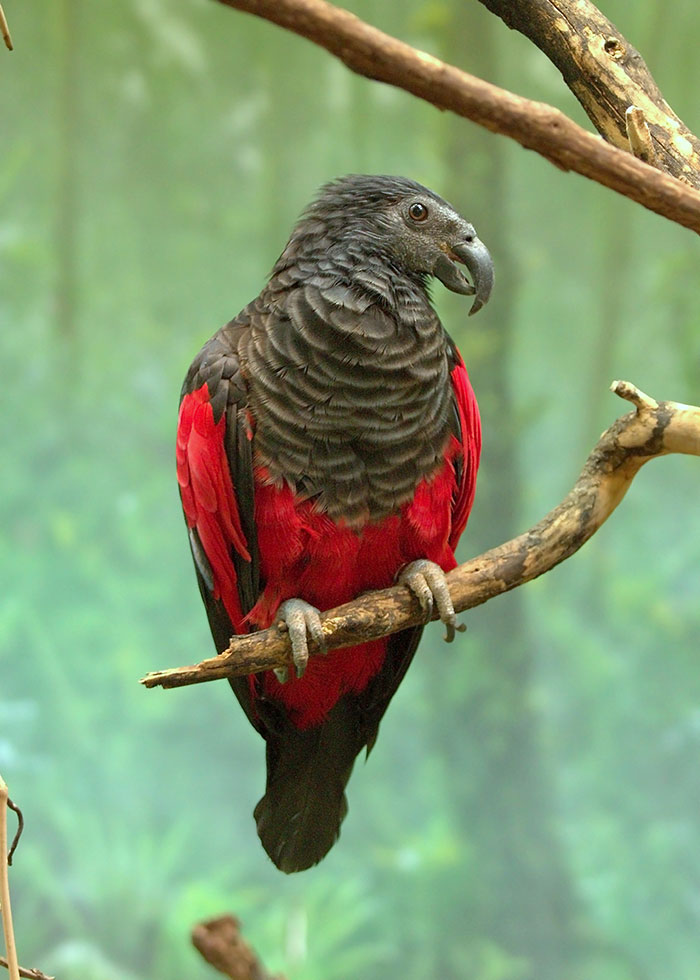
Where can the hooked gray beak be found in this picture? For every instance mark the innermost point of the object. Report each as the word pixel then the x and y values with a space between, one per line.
pixel 472 253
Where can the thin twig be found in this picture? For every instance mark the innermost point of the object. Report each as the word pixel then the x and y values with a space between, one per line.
pixel 10 963
pixel 32 974
pixel 5 30
pixel 10 948
pixel 535 125
pixel 653 429
pixel 607 75
pixel 20 827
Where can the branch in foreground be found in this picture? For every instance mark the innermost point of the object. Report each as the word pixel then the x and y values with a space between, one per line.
pixel 606 74
pixel 31 974
pixel 5 30
pixel 535 125
pixel 10 962
pixel 653 429
pixel 222 946
pixel 5 910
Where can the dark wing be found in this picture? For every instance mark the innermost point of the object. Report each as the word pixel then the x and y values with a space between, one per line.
pixel 375 699
pixel 215 474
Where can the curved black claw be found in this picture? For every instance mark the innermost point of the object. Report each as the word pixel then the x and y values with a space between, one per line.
pixel 302 620
pixel 427 582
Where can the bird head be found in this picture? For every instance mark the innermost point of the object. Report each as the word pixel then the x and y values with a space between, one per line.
pixel 408 225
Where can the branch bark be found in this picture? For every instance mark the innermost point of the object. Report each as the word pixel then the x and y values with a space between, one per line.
pixel 607 76
pixel 652 429
pixel 535 125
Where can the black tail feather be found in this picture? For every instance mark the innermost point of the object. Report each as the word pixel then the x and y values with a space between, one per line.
pixel 299 816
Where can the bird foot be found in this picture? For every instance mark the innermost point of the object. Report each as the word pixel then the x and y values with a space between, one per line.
pixel 302 620
pixel 427 582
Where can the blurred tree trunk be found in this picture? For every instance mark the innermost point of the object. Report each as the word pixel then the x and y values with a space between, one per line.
pixel 506 807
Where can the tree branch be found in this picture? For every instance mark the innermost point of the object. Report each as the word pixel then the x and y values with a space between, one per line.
pixel 10 962
pixel 29 973
pixel 607 76
pixel 5 910
pixel 535 125
pixel 5 30
pixel 220 943
pixel 653 429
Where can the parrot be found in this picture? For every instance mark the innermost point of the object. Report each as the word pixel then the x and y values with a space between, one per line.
pixel 328 442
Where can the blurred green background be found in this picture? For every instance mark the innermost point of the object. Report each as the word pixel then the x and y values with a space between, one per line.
pixel 532 809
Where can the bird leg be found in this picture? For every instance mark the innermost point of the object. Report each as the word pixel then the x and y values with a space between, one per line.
pixel 427 582
pixel 302 620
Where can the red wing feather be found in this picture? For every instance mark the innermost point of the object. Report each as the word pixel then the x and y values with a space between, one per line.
pixel 208 495
pixel 470 432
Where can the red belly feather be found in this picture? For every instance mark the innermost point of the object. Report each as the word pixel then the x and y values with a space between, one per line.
pixel 303 554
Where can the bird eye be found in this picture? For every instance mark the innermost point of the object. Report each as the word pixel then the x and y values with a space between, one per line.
pixel 418 211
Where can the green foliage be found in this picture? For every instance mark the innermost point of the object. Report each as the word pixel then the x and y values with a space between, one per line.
pixel 530 810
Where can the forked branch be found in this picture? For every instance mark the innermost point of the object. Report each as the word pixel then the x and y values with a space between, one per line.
pixel 652 429
pixel 535 125
pixel 608 76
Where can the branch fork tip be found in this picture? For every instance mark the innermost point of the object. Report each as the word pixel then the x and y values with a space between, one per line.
pixel 631 393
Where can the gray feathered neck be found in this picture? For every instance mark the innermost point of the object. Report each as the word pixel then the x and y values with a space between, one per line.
pixel 347 363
